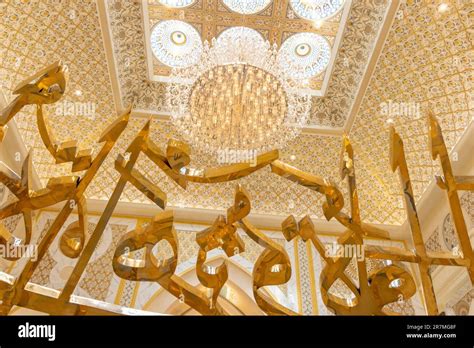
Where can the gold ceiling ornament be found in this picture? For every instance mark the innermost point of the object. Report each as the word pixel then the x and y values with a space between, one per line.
pixel 398 161
pixel 47 87
pixel 162 271
pixel 357 230
pixel 73 239
pixel 13 291
pixel 451 184
pixel 374 290
pixel 20 188
pixel 373 293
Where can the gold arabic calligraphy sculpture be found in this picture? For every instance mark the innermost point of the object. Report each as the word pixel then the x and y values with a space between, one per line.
pixel 273 267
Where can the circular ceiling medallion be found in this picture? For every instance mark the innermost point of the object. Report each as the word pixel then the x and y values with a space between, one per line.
pixel 177 3
pixel 316 9
pixel 176 43
pixel 304 55
pixel 247 6
pixel 237 33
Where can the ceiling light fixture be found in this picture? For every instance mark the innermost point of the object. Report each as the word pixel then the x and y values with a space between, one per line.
pixel 304 55
pixel 316 9
pixel 247 6
pixel 443 7
pixel 176 43
pixel 237 97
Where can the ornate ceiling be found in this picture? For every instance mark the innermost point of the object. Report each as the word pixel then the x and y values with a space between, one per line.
pixel 126 20
pixel 427 59
pixel 210 18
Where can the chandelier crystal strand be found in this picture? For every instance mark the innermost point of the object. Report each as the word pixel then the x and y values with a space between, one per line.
pixel 316 9
pixel 304 55
pixel 177 3
pixel 247 6
pixel 237 96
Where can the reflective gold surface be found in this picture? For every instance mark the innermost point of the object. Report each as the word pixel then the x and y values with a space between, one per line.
pixel 450 184
pixel 374 291
pixel 47 87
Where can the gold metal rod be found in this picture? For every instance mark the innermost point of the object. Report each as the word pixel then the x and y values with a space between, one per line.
pixel 398 161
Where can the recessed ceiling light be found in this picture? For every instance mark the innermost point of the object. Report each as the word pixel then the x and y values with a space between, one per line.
pixel 78 92
pixel 178 38
pixel 318 24
pixel 292 157
pixel 443 7
pixel 303 49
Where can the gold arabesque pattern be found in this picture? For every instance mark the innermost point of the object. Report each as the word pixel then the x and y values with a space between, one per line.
pixel 371 295
pixel 63 37
pixel 427 59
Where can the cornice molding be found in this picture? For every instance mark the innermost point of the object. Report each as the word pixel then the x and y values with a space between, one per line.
pixel 382 35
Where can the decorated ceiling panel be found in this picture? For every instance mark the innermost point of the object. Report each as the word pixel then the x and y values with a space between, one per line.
pixel 38 32
pixel 275 21
pixel 358 35
pixel 426 65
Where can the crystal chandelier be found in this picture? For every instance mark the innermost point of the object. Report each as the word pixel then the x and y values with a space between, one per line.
pixel 247 6
pixel 177 3
pixel 237 96
pixel 316 9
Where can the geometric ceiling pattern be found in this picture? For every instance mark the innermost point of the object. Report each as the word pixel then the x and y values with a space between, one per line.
pixel 275 23
pixel 427 60
pixel 37 33
pixel 360 36
pixel 432 69
pixel 362 26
